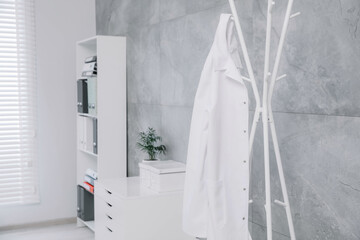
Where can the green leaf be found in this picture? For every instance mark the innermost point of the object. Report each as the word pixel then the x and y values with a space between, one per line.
pixel 147 141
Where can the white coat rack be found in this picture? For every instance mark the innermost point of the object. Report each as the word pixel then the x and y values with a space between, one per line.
pixel 265 108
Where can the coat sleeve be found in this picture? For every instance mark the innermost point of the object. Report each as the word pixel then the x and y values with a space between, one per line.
pixel 195 206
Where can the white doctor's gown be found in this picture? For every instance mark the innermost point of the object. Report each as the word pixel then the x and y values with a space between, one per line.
pixel 217 177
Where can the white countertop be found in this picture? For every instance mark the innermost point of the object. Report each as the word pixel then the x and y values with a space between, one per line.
pixel 130 187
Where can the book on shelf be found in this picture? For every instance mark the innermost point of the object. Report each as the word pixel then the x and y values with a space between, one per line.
pixel 89 179
pixel 92 66
pixel 90 172
pixel 90 59
pixel 89 74
pixel 88 187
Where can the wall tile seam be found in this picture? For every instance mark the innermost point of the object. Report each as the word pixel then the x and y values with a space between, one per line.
pixel 135 26
pixel 261 225
pixel 161 132
pixel 174 18
pixel 160 105
pixel 160 70
pixel 251 110
pixel 193 13
pixel 314 114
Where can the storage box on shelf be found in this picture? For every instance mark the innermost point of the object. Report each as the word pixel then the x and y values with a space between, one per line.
pixel 101 109
pixel 162 176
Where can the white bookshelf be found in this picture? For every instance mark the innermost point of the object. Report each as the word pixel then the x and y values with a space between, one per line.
pixel 110 160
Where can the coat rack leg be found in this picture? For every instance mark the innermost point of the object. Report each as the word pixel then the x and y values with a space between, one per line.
pixel 267 177
pixel 286 203
pixel 271 120
pixel 252 137
pixel 266 110
pixel 266 124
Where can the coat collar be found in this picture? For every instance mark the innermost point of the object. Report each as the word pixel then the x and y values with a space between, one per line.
pixel 225 54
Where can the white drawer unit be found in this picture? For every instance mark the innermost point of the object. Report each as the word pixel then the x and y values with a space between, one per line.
pixel 107 225
pixel 124 210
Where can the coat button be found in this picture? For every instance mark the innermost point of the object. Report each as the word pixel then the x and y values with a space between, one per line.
pixel 243 218
pixel 244 102
pixel 244 189
pixel 244 131
pixel 244 161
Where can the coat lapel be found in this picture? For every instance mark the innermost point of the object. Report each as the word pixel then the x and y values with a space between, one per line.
pixel 225 53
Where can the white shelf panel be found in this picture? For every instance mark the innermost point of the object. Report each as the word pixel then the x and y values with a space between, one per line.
pixel 89 153
pixel 90 42
pixel 87 115
pixel 89 224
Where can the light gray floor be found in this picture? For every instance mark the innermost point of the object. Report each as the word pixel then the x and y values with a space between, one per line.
pixel 56 232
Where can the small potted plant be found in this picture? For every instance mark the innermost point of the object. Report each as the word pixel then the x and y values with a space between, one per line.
pixel 146 143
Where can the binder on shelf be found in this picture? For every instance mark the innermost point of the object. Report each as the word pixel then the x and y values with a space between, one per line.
pixel 92 96
pixel 81 132
pixel 89 74
pixel 82 96
pixel 90 59
pixel 89 130
pixel 95 136
pixel 85 204
pixel 91 66
pixel 87 134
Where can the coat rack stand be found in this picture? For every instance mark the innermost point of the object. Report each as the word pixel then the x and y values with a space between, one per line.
pixel 265 108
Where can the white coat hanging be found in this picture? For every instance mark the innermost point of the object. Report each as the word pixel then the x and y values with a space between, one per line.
pixel 216 191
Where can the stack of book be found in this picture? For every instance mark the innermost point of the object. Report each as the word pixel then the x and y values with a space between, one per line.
pixel 90 67
pixel 90 177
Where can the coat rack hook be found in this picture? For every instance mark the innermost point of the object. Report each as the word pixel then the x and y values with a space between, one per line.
pixel 281 77
pixel 268 76
pixel 246 79
pixel 295 15
pixel 272 5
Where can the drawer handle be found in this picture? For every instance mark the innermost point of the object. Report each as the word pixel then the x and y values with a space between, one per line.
pixel 109 192
pixel 109 229
pixel 109 217
pixel 110 205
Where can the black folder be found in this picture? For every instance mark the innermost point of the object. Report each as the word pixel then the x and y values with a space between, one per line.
pixel 82 96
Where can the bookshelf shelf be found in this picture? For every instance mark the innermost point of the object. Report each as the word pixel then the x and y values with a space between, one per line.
pixel 87 115
pixel 89 42
pixel 106 123
pixel 89 224
pixel 89 153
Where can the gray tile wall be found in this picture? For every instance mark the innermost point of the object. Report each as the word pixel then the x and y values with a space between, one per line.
pixel 316 107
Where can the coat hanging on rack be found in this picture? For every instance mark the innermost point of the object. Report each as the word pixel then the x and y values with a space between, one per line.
pixel 216 192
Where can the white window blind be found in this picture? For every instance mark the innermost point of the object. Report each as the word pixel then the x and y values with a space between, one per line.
pixel 18 175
